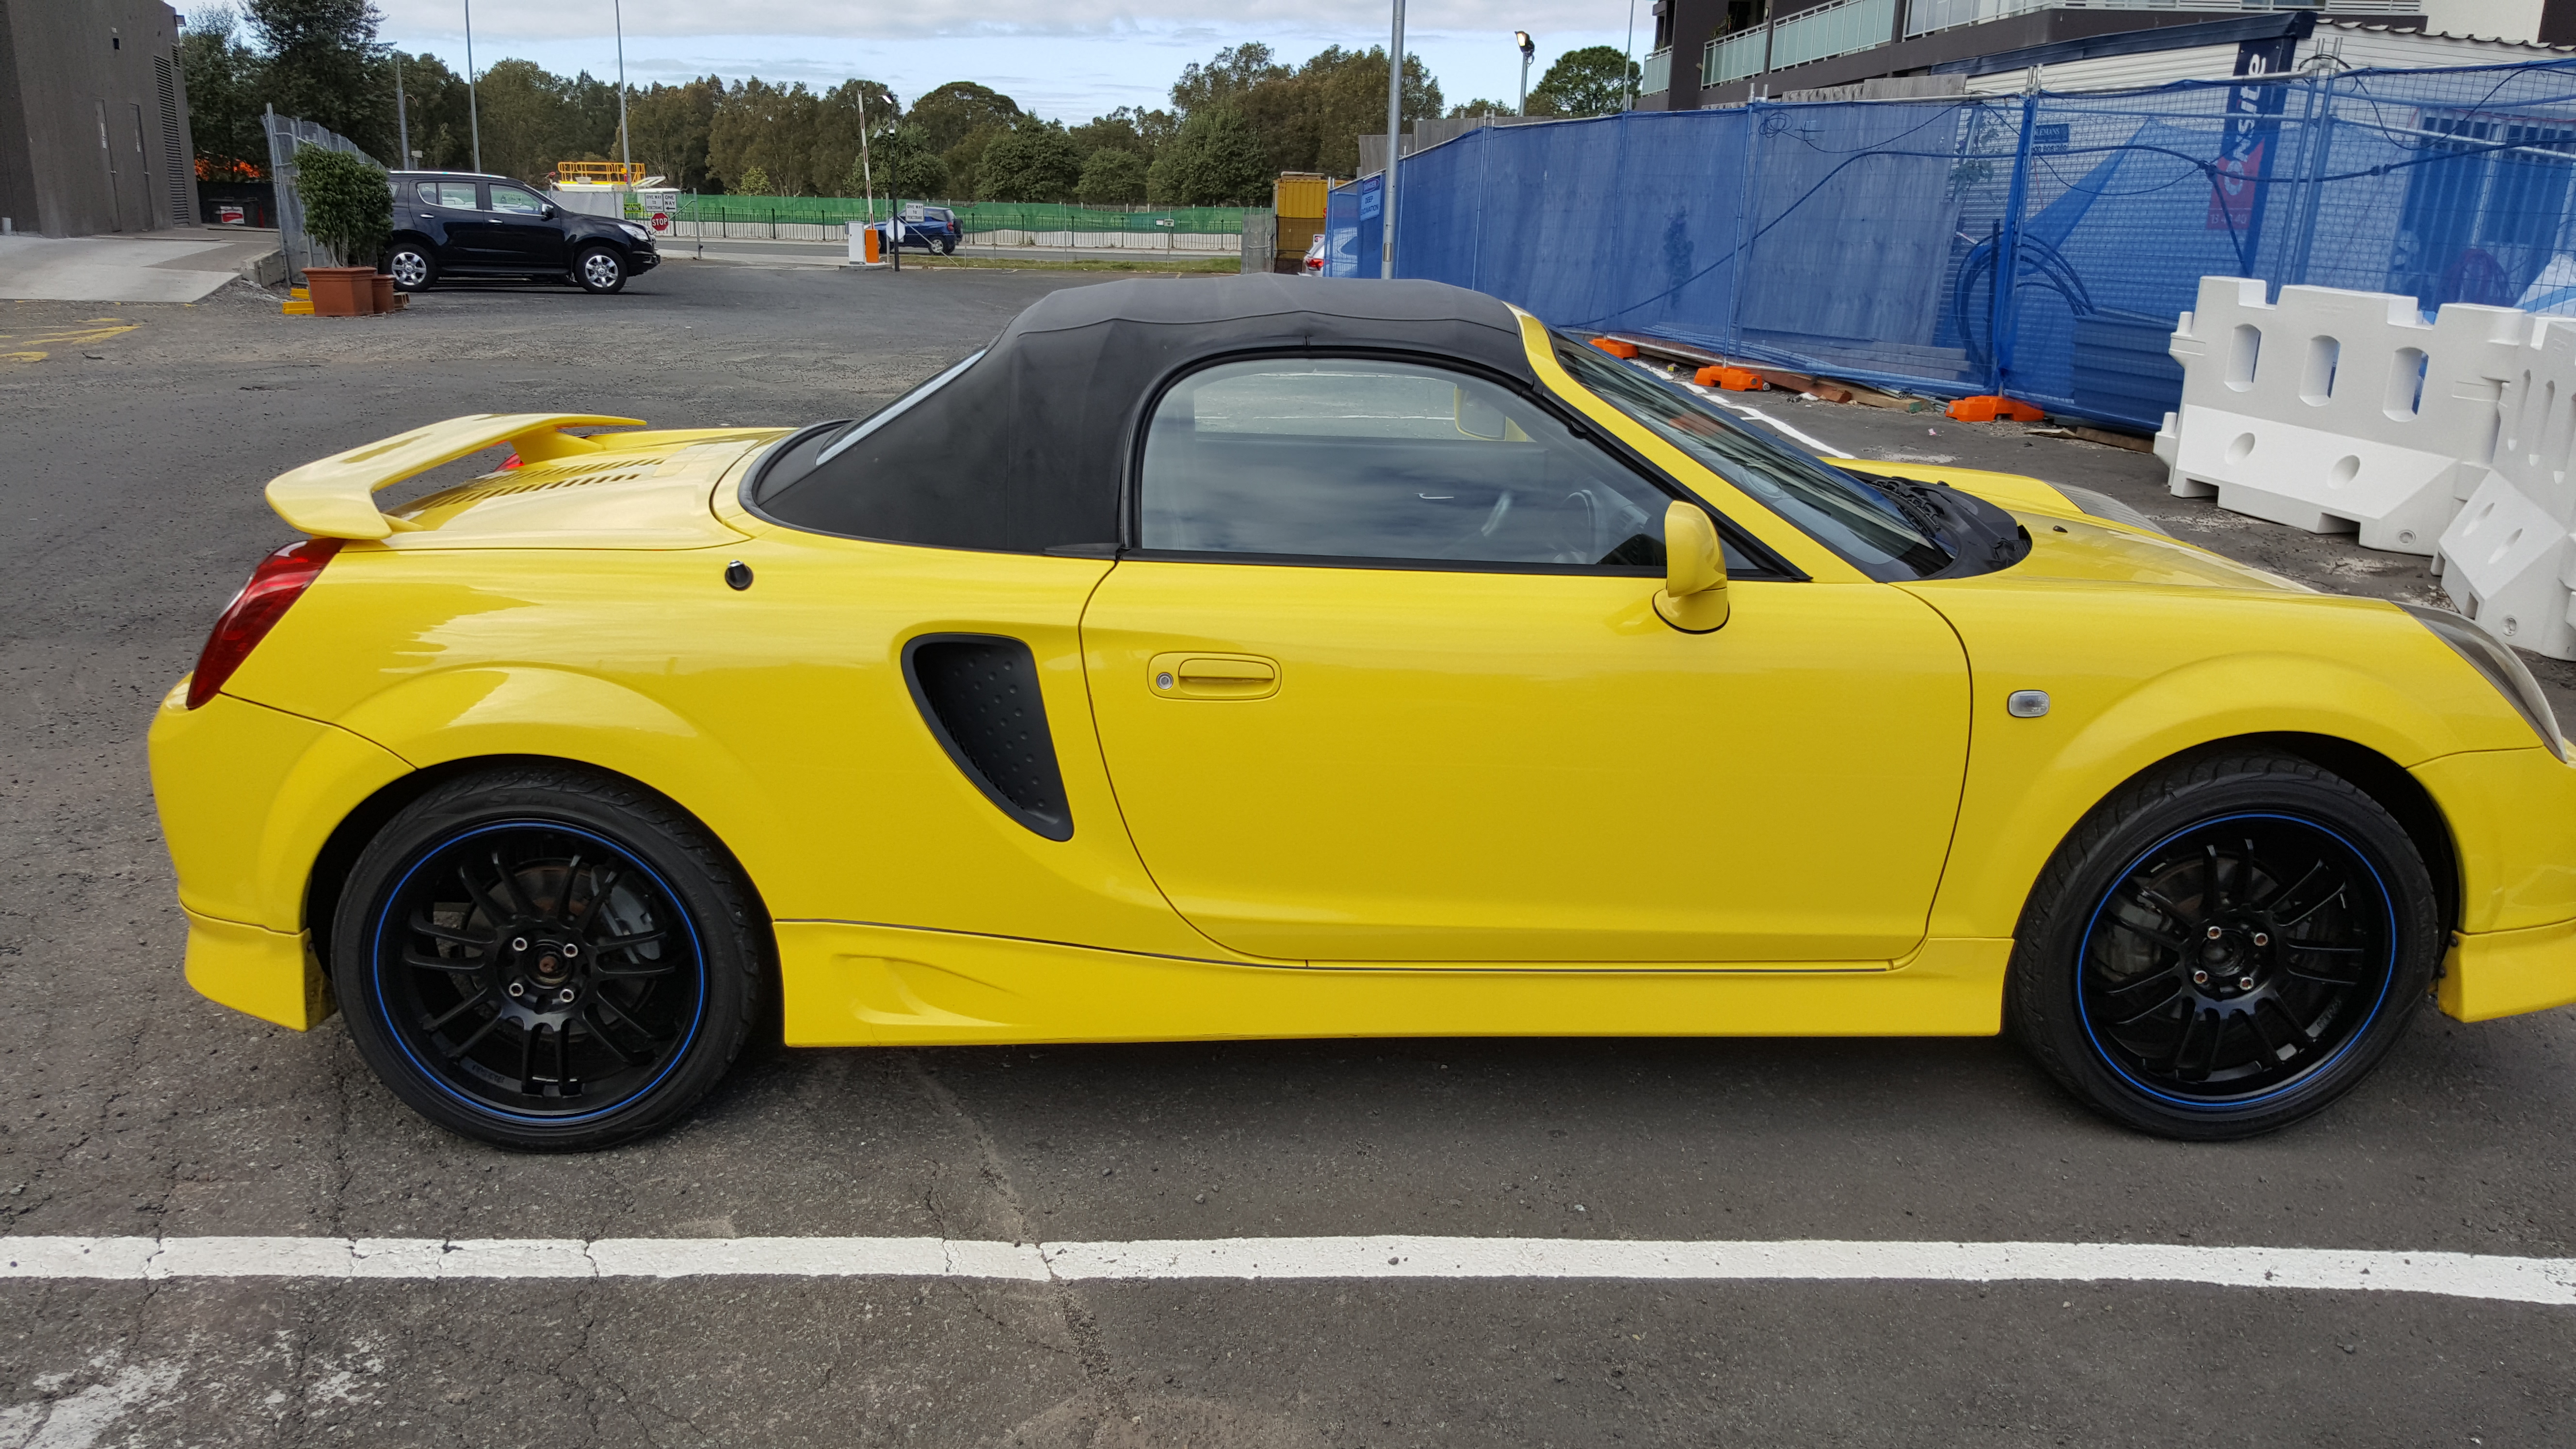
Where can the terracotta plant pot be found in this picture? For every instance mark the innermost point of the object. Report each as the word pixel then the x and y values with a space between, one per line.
pixel 384 291
pixel 340 291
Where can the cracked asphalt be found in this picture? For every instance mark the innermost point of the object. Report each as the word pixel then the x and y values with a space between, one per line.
pixel 130 1106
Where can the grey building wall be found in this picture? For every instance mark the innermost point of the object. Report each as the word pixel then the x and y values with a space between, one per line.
pixel 93 118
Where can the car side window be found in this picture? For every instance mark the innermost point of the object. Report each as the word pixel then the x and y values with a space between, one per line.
pixel 457 195
pixel 515 199
pixel 1385 461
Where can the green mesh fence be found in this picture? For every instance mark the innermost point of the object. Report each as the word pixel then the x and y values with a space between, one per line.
pixel 973 216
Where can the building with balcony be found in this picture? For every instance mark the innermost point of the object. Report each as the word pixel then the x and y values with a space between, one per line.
pixel 1725 52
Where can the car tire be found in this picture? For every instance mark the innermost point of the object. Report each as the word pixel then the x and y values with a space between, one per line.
pixel 547 959
pixel 413 267
pixel 599 270
pixel 2224 947
pixel 948 246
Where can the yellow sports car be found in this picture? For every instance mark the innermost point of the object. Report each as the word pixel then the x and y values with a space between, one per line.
pixel 1262 657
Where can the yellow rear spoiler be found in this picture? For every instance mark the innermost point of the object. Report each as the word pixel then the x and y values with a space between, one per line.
pixel 334 497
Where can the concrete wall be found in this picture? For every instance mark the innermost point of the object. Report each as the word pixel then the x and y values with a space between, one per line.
pixel 93 133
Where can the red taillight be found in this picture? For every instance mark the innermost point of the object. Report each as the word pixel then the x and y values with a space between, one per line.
pixel 279 580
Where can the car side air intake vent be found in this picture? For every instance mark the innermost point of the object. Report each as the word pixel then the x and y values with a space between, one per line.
pixel 979 695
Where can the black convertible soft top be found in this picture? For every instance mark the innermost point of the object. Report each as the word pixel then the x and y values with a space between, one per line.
pixel 1028 449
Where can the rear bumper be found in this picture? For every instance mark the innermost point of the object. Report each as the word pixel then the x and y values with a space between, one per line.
pixel 248 796
pixel 268 974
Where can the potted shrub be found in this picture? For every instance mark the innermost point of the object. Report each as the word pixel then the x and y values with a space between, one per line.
pixel 349 214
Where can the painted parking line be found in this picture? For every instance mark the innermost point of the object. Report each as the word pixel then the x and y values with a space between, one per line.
pixel 2550 1281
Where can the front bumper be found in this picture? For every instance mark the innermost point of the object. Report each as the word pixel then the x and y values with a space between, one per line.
pixel 642 259
pixel 2512 815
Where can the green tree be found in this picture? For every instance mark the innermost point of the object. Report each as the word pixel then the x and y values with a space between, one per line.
pixel 1132 129
pixel 949 114
pixel 1033 163
pixel 434 112
pixel 669 126
pixel 1216 160
pixel 905 166
pixel 323 63
pixel 833 156
pixel 1594 81
pixel 754 181
pixel 532 118
pixel 1482 107
pixel 348 206
pixel 1234 72
pixel 225 80
pixel 965 159
pixel 1112 177
pixel 1350 101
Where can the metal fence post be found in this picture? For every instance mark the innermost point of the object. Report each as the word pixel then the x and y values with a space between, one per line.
pixel 2000 325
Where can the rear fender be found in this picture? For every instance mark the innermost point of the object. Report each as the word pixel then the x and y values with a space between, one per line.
pixel 524 710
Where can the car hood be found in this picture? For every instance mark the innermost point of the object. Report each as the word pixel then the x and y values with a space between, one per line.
pixel 646 490
pixel 2067 542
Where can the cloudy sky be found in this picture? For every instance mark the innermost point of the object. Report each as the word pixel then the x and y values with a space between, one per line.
pixel 1068 59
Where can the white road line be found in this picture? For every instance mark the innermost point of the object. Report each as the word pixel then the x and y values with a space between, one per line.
pixel 1722 400
pixel 2549 1281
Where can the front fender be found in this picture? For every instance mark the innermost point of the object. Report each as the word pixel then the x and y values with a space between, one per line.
pixel 2138 676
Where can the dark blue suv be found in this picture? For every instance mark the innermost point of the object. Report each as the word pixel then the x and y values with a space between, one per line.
pixel 937 231
pixel 454 224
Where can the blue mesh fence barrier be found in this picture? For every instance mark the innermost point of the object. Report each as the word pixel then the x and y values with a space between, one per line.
pixel 1863 239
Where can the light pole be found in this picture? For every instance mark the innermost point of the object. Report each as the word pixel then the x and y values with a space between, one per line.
pixel 625 147
pixel 1394 144
pixel 473 117
pixel 1529 48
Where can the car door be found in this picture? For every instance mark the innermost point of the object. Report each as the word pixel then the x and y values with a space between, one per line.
pixel 450 213
pixel 1384 682
pixel 525 231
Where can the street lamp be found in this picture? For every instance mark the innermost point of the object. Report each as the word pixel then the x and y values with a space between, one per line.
pixel 1394 144
pixel 1529 48
pixel 625 147
pixel 473 118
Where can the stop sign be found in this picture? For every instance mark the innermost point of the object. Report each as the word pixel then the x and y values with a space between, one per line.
pixel 661 221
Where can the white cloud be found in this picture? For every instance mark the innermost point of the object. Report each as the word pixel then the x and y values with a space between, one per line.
pixel 1067 59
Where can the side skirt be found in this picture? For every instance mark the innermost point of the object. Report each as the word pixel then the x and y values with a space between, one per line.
pixel 848 984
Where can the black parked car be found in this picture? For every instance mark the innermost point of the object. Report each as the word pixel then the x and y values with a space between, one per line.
pixel 449 223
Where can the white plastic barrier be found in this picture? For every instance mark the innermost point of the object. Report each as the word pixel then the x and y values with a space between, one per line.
pixel 2507 561
pixel 2338 411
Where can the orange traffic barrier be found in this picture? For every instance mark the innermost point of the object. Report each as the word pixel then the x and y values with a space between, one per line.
pixel 1615 347
pixel 1732 379
pixel 1987 408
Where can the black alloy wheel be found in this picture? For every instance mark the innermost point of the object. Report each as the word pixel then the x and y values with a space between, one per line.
pixel 411 266
pixel 2225 947
pixel 599 269
pixel 546 959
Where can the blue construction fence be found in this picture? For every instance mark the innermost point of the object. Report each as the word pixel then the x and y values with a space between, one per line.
pixel 1862 239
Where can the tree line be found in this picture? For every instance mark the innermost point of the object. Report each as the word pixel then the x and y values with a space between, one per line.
pixel 1235 121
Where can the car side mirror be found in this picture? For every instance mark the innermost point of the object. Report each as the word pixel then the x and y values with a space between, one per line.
pixel 551 212
pixel 1693 598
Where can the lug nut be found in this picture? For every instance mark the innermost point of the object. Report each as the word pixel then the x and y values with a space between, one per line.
pixel 2262 940
pixel 2214 933
pixel 2243 983
pixel 572 949
pixel 2198 978
pixel 518 989
pixel 564 997
pixel 520 943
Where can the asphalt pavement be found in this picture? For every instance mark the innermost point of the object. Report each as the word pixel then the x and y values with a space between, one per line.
pixel 139 438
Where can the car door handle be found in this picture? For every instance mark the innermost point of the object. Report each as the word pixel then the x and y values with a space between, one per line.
pixel 1192 675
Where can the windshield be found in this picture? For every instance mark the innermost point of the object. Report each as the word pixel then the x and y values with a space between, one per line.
pixel 1854 520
